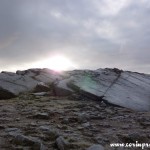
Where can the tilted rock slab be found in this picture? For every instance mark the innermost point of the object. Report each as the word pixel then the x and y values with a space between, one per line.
pixel 12 84
pixel 123 88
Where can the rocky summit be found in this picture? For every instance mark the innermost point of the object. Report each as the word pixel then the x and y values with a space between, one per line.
pixel 74 110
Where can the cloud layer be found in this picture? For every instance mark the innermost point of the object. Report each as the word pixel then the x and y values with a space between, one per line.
pixel 93 34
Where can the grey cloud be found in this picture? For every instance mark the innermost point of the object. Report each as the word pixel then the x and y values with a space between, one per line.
pixel 91 33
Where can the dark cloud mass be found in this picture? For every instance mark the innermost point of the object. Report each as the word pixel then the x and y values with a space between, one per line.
pixel 92 34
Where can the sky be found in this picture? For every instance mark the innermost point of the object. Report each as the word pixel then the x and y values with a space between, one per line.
pixel 90 34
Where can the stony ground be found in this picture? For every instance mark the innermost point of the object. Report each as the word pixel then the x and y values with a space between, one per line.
pixel 66 123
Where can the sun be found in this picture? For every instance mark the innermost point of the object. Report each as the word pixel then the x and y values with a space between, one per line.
pixel 57 63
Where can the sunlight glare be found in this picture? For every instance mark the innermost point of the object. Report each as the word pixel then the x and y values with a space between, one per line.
pixel 57 63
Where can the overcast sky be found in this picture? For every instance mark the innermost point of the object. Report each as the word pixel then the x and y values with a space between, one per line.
pixel 91 33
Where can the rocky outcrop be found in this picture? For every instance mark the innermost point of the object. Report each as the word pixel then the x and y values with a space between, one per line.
pixel 25 81
pixel 123 88
pixel 112 86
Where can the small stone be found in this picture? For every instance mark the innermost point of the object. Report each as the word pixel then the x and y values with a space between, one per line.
pixel 96 147
pixel 17 119
pixel 62 144
pixel 51 133
pixel 83 118
pixel 41 87
pixel 109 111
pixel 41 116
pixel 33 124
pixel 103 104
pixel 126 126
pixel 86 125
pixel 40 94
pixel 13 131
pixel 80 128
pixel 65 121
pixel 29 141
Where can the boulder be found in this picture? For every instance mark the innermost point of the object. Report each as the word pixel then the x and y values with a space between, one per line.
pixel 41 87
pixel 6 94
